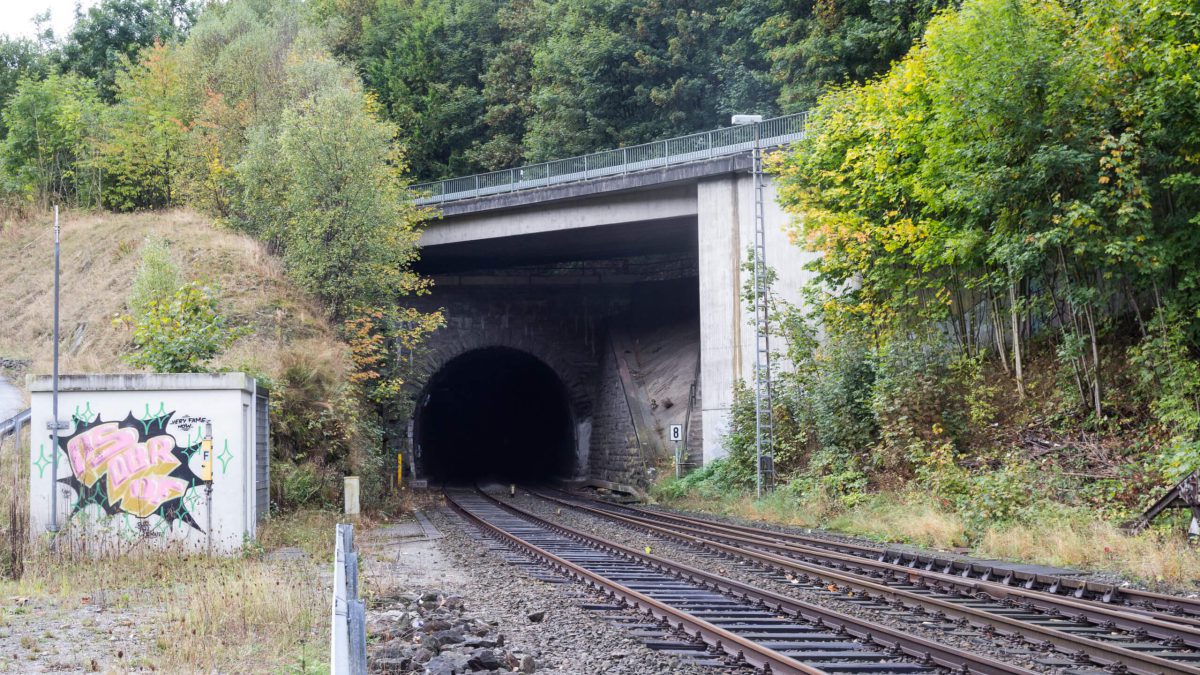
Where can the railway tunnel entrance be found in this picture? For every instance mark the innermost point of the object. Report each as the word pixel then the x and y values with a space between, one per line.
pixel 495 413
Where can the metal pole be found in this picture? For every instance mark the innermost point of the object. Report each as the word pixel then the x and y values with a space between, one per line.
pixel 757 366
pixel 54 392
pixel 763 424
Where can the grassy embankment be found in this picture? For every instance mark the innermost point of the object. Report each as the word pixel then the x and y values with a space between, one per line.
pixel 241 614
pixel 1070 539
pixel 1057 497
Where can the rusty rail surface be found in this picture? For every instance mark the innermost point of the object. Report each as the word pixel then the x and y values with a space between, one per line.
pixel 900 643
pixel 891 582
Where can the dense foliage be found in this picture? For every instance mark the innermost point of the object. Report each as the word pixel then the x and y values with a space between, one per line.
pixel 487 84
pixel 112 33
pixel 1007 229
pixel 240 111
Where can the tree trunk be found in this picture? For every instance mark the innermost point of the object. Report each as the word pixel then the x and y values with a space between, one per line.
pixel 1087 313
pixel 998 333
pixel 1016 335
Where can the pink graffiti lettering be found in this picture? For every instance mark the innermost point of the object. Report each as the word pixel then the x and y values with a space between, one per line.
pixel 93 448
pixel 156 489
pixel 136 473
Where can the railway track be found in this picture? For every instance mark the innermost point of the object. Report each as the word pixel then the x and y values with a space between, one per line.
pixel 736 622
pixel 1081 589
pixel 1121 638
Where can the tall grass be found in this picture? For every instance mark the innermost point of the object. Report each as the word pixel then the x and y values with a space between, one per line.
pixel 1154 557
pixel 218 614
pixel 1063 537
pixel 14 490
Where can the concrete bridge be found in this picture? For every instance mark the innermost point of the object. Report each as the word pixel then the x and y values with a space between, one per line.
pixel 592 303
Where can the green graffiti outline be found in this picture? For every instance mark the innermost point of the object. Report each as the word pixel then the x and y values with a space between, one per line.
pixel 190 499
pixel 225 456
pixel 193 443
pixel 150 418
pixel 42 460
pixel 125 530
pixel 83 417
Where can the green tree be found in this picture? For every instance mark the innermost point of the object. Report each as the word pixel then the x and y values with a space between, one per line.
pixel 815 45
pixel 112 32
pixel 20 59
pixel 508 85
pixel 349 235
pixel 487 84
pixel 49 153
pixel 424 59
pixel 618 73
pixel 145 132
pixel 1012 170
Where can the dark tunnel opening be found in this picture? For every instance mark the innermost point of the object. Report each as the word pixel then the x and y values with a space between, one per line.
pixel 495 414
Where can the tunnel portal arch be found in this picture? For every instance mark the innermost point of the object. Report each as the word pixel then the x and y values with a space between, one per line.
pixel 495 413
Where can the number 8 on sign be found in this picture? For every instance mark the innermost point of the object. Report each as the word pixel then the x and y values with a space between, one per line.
pixel 676 432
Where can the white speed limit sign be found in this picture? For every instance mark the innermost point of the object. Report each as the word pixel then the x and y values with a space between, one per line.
pixel 677 432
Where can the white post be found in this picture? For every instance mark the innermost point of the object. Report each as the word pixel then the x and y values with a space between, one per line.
pixel 350 488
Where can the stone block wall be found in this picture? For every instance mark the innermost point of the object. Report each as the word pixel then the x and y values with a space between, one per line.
pixel 559 314
pixel 615 454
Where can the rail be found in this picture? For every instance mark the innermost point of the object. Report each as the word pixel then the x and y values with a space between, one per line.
pixel 348 631
pixel 770 133
pixel 753 649
pixel 1073 627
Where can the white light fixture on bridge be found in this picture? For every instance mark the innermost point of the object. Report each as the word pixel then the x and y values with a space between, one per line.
pixel 763 427
pixel 747 119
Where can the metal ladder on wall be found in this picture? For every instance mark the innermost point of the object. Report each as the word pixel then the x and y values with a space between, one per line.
pixel 763 421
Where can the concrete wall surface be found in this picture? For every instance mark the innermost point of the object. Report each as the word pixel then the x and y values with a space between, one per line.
pixel 727 334
pixel 129 461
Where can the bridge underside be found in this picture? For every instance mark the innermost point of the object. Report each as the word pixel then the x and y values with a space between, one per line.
pixel 580 330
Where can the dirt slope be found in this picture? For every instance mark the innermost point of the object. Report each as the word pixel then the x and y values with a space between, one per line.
pixel 100 256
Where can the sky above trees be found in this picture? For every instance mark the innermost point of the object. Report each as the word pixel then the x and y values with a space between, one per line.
pixel 17 16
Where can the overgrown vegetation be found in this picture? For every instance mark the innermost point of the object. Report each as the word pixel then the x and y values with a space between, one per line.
pixel 239 111
pixel 1005 314
pixel 1005 287
pixel 244 613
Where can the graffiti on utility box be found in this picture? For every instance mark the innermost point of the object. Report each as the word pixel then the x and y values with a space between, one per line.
pixel 132 466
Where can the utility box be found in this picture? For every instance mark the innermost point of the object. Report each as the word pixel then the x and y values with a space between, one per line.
pixel 131 461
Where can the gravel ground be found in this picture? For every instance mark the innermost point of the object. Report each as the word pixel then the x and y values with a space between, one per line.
pixel 80 634
pixel 963 639
pixel 489 595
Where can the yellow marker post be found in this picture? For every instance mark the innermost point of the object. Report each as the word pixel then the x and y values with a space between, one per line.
pixel 206 458
pixel 206 474
pixel 399 469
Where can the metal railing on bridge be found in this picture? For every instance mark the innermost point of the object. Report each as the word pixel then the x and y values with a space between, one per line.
pixel 647 156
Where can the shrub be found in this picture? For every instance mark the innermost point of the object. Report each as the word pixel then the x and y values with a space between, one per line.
pixel 1170 378
pixel 183 334
pixel 49 152
pixel 303 484
pixel 157 279
pixel 711 480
